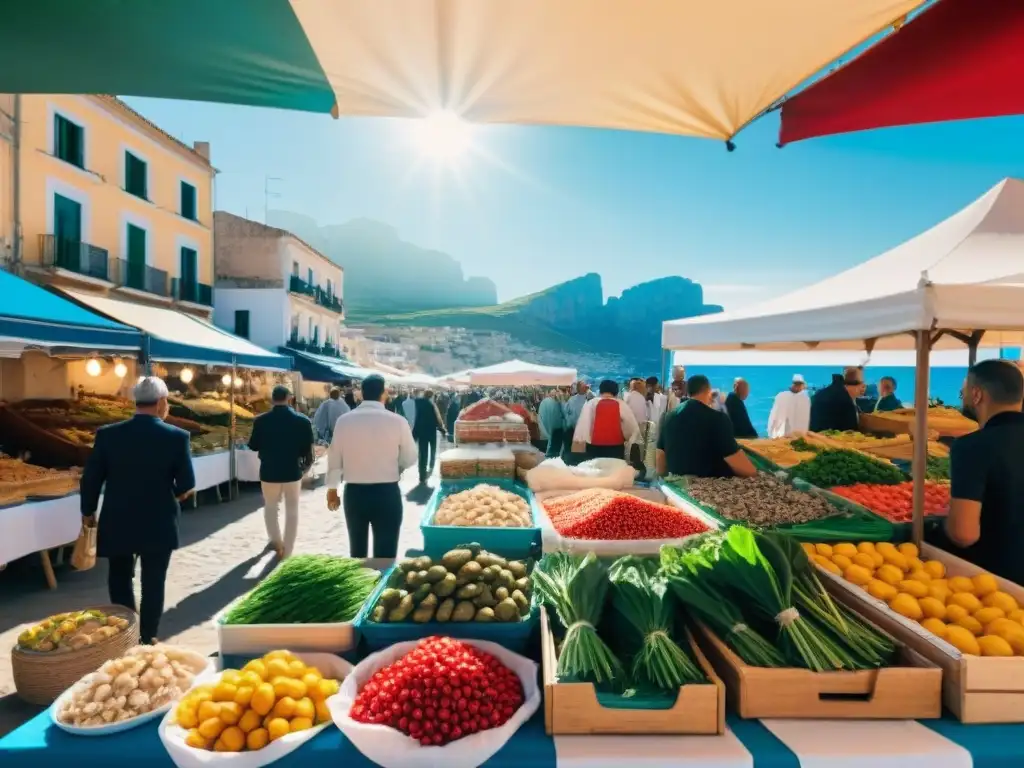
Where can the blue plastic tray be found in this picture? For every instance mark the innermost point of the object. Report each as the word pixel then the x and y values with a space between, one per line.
pixel 514 636
pixel 507 542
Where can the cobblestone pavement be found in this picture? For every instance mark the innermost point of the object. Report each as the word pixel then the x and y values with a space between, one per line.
pixel 221 557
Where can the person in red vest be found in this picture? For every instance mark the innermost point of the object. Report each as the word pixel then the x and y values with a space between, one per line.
pixel 606 425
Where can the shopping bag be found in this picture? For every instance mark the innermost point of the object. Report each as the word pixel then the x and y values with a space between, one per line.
pixel 84 555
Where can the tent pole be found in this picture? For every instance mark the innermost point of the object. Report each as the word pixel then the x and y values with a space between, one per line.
pixel 231 434
pixel 666 373
pixel 972 354
pixel 920 463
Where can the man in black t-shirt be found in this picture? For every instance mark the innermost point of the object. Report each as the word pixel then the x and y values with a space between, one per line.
pixel 986 516
pixel 698 440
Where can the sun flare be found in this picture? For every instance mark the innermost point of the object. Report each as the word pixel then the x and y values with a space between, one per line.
pixel 443 137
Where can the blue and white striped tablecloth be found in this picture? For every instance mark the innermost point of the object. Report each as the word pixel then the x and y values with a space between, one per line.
pixel 746 744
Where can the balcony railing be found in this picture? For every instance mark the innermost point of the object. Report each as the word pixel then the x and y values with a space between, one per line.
pixel 189 290
pixel 74 256
pixel 140 277
pixel 325 299
pixel 303 345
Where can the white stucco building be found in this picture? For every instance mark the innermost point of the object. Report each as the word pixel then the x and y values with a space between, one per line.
pixel 274 289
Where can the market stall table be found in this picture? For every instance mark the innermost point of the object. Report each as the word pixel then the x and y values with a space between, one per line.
pixel 39 526
pixel 211 469
pixel 247 466
pixel 745 744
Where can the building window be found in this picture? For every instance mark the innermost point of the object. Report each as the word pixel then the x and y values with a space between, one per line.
pixel 242 323
pixel 136 261
pixel 295 268
pixel 188 201
pixel 135 172
pixel 189 274
pixel 68 141
pixel 309 277
pixel 330 288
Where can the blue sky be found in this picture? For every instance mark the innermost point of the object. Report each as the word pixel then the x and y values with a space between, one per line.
pixel 535 206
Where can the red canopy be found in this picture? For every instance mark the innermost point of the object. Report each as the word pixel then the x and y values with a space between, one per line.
pixel 958 60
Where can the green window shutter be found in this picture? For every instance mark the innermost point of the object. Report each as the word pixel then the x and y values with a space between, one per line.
pixel 136 245
pixel 189 266
pixel 135 176
pixel 188 201
pixel 68 141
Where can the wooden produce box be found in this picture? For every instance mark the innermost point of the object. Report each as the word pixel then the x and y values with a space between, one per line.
pixel 977 689
pixel 573 708
pixel 912 691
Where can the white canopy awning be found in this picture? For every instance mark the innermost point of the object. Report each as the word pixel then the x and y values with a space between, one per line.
pixel 516 373
pixel 962 276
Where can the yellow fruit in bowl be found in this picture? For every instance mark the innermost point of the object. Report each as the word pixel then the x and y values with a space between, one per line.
pixel 961 584
pixel 257 739
pixel 885 546
pixel 915 588
pixel 825 550
pixel 955 612
pixel 962 640
pixel 897 559
pixel 879 560
pixel 920 575
pixel 890 574
pixel 827 564
pixel 915 563
pixel 1017 614
pixel 866 546
pixel 935 626
pixel 964 600
pixel 842 561
pixel 857 574
pixel 985 584
pixel 885 592
pixel 987 615
pixel 1000 600
pixel 971 624
pixel 844 548
pixel 907 605
pixel 1010 631
pixel 863 560
pixel 251 719
pixel 939 591
pixel 277 728
pixel 993 645
pixel 993 627
pixel 908 549
pixel 933 609
pixel 935 569
pixel 808 548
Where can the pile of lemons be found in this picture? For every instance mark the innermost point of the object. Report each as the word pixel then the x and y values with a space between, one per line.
pixel 970 613
pixel 247 709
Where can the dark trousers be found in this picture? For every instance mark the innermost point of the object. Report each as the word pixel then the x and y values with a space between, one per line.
pixel 555 443
pixel 121 585
pixel 428 449
pixel 377 506
pixel 606 451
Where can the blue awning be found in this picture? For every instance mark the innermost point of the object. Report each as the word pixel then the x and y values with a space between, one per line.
pixel 177 337
pixel 35 316
pixel 315 367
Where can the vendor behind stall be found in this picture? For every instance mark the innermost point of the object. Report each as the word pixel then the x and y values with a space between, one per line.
pixel 887 400
pixel 736 407
pixel 605 425
pixel 698 440
pixel 986 515
pixel 835 406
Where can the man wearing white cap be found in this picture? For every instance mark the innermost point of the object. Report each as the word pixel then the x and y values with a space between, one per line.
pixel 791 412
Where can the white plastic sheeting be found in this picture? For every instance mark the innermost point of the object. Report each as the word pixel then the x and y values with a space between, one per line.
pixel 516 373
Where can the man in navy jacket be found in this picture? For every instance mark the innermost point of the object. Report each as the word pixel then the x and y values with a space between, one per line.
pixel 143 469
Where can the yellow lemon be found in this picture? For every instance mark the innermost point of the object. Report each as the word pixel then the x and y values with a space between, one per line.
pixel 208 709
pixel 196 740
pixel 258 668
pixel 257 739
pixel 987 615
pixel 844 548
pixel 304 707
pixel 920 575
pixel 939 591
pixel 285 707
pixel 890 574
pixel 885 592
pixel 961 584
pixel 935 626
pixel 1000 600
pixel 885 546
pixel 897 559
pixel 232 676
pixel 879 560
pixel 301 724
pixel 915 563
pixel 808 548
pixel 935 569
pixel 277 728
pixel 211 729
pixel 864 560
pixel 993 645
pixel 962 640
pixel 825 550
pixel 909 549
pixel 866 546
pixel 1017 614
pixel 907 605
pixel 964 600
pixel 1010 631
pixel 857 574
pixel 277 668
pixel 232 739
pixel 971 624
pixel 915 588
pixel 985 584
pixel 224 691
pixel 955 612
pixel 251 719
pixel 996 626
pixel 933 609
pixel 827 564
pixel 279 654
pixel 230 713
pixel 842 561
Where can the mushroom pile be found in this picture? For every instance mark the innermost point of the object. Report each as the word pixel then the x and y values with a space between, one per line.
pixel 485 506
pixel 761 500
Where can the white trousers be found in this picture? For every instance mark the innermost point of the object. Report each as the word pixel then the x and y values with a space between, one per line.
pixel 272 493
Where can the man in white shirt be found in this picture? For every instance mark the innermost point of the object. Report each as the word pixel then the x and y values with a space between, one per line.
pixel 371 448
pixel 606 425
pixel 791 412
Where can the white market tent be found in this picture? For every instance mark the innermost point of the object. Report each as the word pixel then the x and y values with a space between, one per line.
pixel 960 282
pixel 963 277
pixel 517 373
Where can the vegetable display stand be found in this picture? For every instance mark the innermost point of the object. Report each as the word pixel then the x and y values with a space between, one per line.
pixel 575 708
pixel 912 691
pixel 515 636
pixel 508 542
pixel 976 689
pixel 253 640
pixel 949 423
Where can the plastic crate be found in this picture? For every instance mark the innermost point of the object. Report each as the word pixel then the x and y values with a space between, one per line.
pixel 515 636
pixel 515 543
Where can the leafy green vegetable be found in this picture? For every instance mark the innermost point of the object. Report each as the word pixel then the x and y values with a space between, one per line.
pixel 834 467
pixel 307 589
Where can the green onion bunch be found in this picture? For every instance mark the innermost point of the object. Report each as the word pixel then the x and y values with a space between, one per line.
pixel 576 588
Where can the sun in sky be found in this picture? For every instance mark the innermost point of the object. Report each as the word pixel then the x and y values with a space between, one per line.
pixel 443 138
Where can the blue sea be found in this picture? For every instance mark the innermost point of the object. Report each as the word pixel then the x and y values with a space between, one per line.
pixel 767 381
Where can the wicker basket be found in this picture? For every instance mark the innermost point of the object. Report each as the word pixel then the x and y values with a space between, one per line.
pixel 40 678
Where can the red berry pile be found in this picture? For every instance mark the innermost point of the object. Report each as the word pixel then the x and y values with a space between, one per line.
pixel 606 515
pixel 440 691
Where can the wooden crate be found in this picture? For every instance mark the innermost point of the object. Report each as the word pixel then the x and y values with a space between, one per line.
pixel 906 424
pixel 912 691
pixel 977 689
pixel 573 708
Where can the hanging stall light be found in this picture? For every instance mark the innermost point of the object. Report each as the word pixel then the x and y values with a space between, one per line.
pixel 185 375
pixel 226 379
pixel 93 367
pixel 238 382
pixel 120 370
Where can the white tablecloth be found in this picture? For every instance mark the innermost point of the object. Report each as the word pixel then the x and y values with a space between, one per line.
pixel 38 525
pixel 211 469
